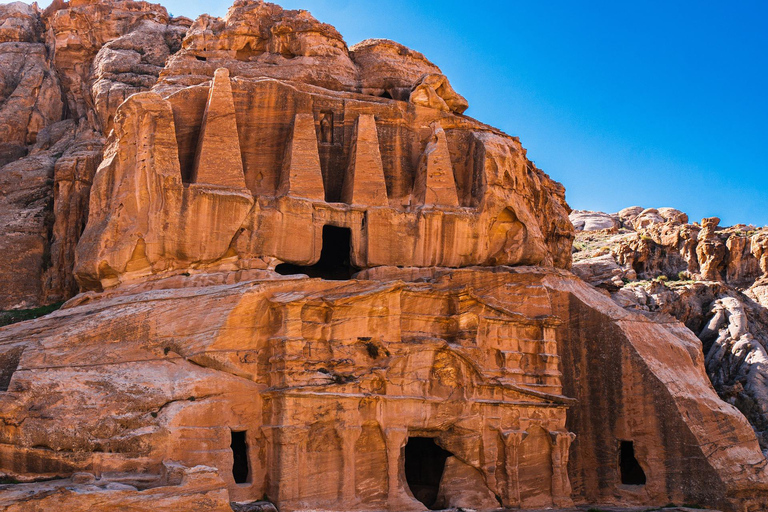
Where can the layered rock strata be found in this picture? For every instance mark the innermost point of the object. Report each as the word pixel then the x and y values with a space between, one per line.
pixel 713 279
pixel 64 72
pixel 331 380
pixel 441 355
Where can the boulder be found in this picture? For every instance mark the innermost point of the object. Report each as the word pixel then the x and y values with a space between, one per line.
pixel 593 221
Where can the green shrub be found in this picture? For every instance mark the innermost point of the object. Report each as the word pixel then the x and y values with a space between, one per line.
pixel 20 315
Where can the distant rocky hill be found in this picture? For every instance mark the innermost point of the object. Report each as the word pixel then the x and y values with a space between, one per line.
pixel 713 279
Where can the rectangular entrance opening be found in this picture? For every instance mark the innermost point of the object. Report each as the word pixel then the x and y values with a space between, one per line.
pixel 240 469
pixel 629 467
pixel 335 263
pixel 9 362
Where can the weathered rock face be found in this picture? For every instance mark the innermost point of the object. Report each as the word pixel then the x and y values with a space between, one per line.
pixel 75 62
pixel 176 488
pixel 445 357
pixel 709 278
pixel 102 52
pixel 669 245
pixel 336 387
pixel 215 160
pixel 259 39
pixel 30 101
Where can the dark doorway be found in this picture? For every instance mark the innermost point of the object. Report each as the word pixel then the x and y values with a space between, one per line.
pixel 631 472
pixel 335 260
pixel 424 465
pixel 240 455
pixel 9 362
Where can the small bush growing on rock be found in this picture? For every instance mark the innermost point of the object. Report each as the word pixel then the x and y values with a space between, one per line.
pixel 20 315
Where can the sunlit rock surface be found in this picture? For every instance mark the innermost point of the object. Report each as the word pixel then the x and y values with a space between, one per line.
pixel 304 276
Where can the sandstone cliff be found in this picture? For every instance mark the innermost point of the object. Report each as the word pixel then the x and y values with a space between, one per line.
pixel 711 278
pixel 305 275
pixel 64 72
pixel 67 69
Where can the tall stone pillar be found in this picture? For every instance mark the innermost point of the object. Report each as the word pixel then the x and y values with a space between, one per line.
pixel 284 468
pixel 512 440
pixel 561 484
pixel 349 437
pixel 397 500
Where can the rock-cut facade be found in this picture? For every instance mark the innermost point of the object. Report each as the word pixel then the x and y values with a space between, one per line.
pixel 304 276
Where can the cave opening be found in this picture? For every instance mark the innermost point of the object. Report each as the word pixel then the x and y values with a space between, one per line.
pixel 335 257
pixel 629 467
pixel 424 465
pixel 239 445
pixel 9 363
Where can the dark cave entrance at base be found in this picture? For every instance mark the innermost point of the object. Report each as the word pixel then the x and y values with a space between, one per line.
pixel 424 465
pixel 629 469
pixel 239 447
pixel 335 257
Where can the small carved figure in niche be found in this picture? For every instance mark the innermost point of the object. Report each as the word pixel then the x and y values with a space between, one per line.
pixel 326 128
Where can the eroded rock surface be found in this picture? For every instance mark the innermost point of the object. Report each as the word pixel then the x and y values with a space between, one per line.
pixel 709 277
pixel 324 376
pixel 440 353
pixel 196 489
pixel 219 167
pixel 74 62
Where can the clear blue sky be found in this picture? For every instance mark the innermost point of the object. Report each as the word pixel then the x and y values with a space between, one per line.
pixel 652 103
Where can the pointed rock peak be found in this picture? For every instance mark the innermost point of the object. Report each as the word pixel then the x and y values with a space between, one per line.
pixel 218 160
pixel 364 182
pixel 301 174
pixel 435 183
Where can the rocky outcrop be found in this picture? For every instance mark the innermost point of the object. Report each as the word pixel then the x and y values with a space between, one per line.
pixel 669 245
pixel 708 277
pixel 259 39
pixel 593 221
pixel 74 62
pixel 440 355
pixel 198 179
pixel 103 52
pixel 199 489
pixel 30 103
pixel 344 374
pixel 131 63
pixel 30 95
